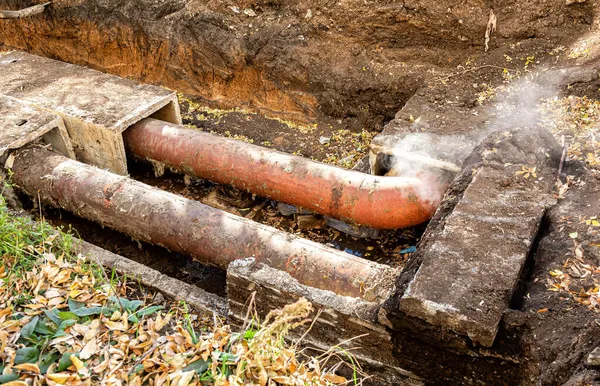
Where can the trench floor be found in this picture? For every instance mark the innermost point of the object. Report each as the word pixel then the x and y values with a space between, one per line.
pixel 172 264
pixel 390 247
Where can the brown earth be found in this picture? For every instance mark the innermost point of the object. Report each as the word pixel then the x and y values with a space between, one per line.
pixel 355 60
pixel 355 65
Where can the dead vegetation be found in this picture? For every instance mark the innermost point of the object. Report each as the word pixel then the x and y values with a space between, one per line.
pixel 64 321
pixel 577 121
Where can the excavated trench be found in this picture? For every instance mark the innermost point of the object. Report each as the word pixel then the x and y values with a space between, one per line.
pixel 341 72
pixel 390 247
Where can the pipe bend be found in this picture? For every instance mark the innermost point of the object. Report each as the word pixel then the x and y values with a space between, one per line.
pixel 355 197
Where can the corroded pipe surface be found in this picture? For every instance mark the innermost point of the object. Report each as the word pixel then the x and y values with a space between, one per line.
pixel 207 234
pixel 351 196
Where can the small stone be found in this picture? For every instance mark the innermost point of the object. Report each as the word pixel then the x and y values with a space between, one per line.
pixel 159 298
pixel 308 14
pixel 324 140
pixel 352 230
pixel 593 360
pixel 286 209
pixel 249 12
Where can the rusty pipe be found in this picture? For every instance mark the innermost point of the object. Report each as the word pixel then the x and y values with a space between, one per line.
pixel 348 195
pixel 207 234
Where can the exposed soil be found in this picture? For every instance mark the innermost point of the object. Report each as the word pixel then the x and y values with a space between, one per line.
pixel 356 61
pixel 330 142
pixel 562 330
pixel 346 70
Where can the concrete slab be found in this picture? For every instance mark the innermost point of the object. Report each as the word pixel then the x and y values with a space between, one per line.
pixel 21 124
pixel 173 288
pixel 473 258
pixel 95 107
pixel 348 322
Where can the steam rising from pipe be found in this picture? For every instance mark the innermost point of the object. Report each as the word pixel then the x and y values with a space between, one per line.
pixel 516 105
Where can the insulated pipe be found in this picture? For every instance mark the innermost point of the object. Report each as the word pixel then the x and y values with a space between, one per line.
pixel 207 234
pixel 348 195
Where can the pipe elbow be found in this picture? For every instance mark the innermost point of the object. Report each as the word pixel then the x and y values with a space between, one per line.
pixel 396 202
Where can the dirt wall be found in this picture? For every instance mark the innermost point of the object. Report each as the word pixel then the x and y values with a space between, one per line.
pixel 352 60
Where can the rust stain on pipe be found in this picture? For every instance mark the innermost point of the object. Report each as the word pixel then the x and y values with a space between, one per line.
pixel 207 234
pixel 351 196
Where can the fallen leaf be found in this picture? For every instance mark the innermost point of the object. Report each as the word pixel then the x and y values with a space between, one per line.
pixel 89 349
pixel 31 367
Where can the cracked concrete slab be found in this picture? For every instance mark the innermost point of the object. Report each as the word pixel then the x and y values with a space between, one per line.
pixel 472 262
pixel 21 124
pixel 345 321
pixel 95 107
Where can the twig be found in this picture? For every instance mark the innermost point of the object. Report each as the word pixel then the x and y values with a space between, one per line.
pixel 25 12
pixel 255 210
pixel 562 160
pixel 308 329
pixel 490 29
pixel 146 355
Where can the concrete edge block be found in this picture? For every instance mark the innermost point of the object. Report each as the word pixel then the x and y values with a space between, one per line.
pixel 196 297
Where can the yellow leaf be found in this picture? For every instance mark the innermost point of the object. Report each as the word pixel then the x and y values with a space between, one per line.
pixel 77 362
pixel 335 379
pixel 74 293
pixel 33 368
pixel 62 277
pixel 60 378
pixel 114 326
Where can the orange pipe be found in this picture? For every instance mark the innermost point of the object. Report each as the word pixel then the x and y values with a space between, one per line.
pixel 348 195
pixel 209 235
